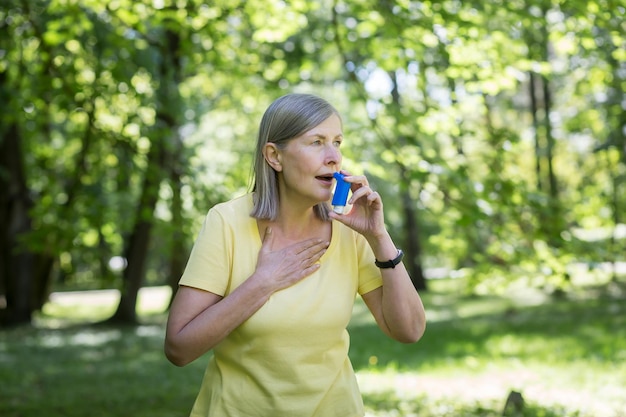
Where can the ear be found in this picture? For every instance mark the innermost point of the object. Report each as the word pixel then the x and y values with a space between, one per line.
pixel 272 156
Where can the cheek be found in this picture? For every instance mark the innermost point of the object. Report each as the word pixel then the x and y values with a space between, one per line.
pixel 294 170
pixel 303 161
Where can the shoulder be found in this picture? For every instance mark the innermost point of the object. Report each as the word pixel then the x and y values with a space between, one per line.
pixel 239 206
pixel 347 238
pixel 228 215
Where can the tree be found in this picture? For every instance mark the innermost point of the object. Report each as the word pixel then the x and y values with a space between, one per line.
pixel 495 132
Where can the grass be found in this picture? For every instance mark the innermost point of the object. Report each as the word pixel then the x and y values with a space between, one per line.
pixel 566 356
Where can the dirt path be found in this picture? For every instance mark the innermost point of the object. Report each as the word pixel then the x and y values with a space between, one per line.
pixel 149 298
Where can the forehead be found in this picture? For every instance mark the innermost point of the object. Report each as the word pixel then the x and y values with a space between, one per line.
pixel 329 127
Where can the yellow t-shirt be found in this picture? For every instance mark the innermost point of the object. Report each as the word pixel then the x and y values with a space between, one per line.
pixel 290 359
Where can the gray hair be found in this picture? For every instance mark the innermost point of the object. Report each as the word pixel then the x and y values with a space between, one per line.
pixel 286 118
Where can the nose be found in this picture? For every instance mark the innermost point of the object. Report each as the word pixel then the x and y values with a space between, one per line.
pixel 333 155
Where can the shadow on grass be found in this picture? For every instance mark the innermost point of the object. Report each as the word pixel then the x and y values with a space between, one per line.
pixel 101 370
pixel 561 330
pixel 493 337
pixel 389 404
pixel 93 371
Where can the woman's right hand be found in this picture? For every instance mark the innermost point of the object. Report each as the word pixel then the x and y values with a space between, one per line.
pixel 284 267
pixel 199 320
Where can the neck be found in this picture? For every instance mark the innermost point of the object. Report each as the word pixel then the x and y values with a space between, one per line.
pixel 294 222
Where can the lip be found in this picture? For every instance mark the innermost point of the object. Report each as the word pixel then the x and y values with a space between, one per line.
pixel 327 181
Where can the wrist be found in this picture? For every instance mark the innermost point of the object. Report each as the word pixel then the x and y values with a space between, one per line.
pixel 383 246
pixel 391 263
pixel 261 285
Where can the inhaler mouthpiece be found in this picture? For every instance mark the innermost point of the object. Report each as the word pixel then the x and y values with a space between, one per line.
pixel 341 193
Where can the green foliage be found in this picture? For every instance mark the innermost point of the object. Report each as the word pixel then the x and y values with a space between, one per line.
pixel 436 108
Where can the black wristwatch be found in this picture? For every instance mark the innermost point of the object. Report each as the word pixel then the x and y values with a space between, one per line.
pixel 392 262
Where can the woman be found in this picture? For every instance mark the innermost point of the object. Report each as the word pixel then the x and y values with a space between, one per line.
pixel 272 277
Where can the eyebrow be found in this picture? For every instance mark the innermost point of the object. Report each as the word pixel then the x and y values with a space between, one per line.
pixel 319 135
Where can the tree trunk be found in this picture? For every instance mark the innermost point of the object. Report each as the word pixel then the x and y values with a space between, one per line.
pixel 547 105
pixel 555 221
pixel 136 252
pixel 178 252
pixel 168 106
pixel 16 262
pixel 413 247
pixel 551 218
pixel 534 109
pixel 412 241
pixel 618 172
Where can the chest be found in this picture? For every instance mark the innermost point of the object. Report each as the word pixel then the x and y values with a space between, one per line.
pixel 283 237
pixel 320 304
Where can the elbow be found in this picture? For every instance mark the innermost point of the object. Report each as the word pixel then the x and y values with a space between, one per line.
pixel 412 335
pixel 175 356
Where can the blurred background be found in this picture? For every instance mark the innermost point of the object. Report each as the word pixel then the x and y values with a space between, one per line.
pixel 495 132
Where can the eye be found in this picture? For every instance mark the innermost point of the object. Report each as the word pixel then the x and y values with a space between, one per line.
pixel 337 143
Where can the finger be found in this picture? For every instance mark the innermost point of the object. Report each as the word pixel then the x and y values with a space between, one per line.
pixel 334 216
pixel 309 270
pixel 308 245
pixel 363 191
pixel 373 197
pixel 310 255
pixel 357 179
pixel 314 253
pixel 341 218
pixel 305 272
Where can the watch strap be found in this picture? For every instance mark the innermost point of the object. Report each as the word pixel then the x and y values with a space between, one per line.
pixel 392 262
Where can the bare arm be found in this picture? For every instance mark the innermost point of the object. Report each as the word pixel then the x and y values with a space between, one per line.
pixel 396 306
pixel 199 320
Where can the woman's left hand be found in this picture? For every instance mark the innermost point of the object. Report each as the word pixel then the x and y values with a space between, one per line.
pixel 366 215
pixel 396 305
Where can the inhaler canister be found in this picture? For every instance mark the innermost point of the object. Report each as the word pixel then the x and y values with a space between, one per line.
pixel 341 193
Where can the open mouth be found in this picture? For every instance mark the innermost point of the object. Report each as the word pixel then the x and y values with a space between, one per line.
pixel 325 178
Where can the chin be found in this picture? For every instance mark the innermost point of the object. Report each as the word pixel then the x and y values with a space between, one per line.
pixel 326 199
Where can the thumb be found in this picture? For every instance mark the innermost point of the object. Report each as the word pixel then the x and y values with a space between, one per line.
pixel 339 217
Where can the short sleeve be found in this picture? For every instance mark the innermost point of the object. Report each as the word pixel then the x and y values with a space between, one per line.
pixel 209 264
pixel 370 277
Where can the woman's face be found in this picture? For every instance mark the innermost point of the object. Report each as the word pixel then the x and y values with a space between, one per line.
pixel 309 161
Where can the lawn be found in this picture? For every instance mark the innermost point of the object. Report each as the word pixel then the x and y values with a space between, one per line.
pixel 566 356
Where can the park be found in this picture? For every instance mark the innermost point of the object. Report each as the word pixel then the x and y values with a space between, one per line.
pixel 494 132
pixel 564 356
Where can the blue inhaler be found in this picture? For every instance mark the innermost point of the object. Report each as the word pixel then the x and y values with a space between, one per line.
pixel 341 193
